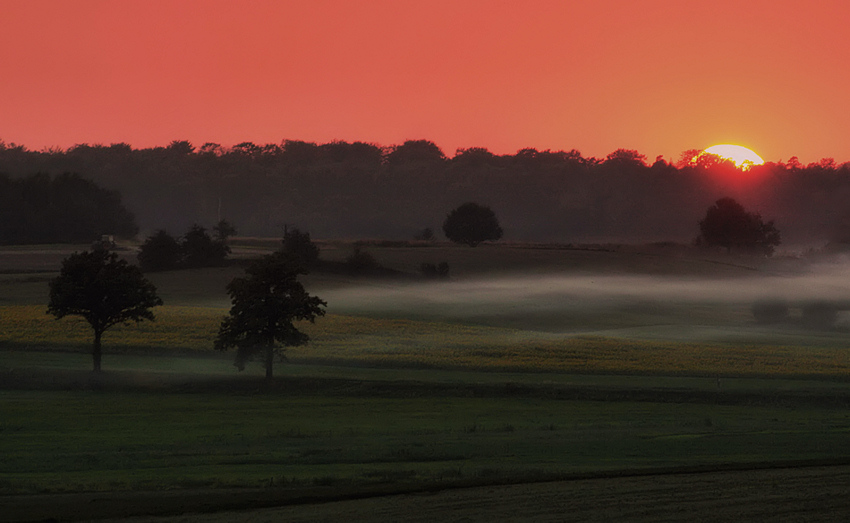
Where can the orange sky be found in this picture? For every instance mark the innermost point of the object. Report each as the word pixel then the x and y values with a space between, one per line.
pixel 659 76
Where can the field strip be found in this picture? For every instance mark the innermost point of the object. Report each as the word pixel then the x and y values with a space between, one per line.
pixel 759 490
pixel 391 385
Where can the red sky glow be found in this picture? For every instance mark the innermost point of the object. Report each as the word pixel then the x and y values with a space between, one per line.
pixel 659 76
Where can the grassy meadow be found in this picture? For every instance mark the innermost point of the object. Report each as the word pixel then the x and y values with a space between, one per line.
pixel 417 391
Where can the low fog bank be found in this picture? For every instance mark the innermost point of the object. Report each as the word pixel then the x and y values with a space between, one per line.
pixel 569 303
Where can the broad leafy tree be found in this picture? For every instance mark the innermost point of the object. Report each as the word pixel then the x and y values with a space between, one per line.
pixel 298 246
pixel 104 290
pixel 201 250
pixel 265 303
pixel 472 224
pixel 160 252
pixel 727 224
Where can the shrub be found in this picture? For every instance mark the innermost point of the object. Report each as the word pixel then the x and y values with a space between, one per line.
pixel 200 250
pixel 361 262
pixel 431 271
pixel 770 311
pixel 299 247
pixel 820 315
pixel 160 252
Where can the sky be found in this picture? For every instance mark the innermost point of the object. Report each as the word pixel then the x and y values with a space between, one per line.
pixel 658 76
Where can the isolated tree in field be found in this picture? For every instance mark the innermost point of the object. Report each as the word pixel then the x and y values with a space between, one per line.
pixel 200 250
pixel 298 246
pixel 472 224
pixel 104 290
pixel 728 224
pixel 223 231
pixel 265 303
pixel 160 252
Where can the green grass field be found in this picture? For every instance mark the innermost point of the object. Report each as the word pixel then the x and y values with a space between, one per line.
pixel 91 440
pixel 413 396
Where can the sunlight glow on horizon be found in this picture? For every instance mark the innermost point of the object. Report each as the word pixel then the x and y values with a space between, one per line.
pixel 742 157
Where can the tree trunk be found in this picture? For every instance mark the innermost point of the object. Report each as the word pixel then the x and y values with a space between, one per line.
pixel 269 360
pixel 95 353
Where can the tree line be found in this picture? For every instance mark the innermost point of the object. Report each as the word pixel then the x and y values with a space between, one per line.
pixel 357 190
pixel 63 209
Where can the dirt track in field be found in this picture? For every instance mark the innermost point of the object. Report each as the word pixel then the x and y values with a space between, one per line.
pixel 789 494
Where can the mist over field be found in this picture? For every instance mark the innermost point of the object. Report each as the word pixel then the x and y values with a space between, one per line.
pixel 575 303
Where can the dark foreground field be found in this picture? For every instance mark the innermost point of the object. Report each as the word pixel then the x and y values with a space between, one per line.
pixel 570 384
pixel 790 493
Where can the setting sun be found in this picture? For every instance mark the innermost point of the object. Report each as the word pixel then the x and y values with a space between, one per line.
pixel 742 157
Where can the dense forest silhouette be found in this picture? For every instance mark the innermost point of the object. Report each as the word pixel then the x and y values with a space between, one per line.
pixel 66 208
pixel 361 190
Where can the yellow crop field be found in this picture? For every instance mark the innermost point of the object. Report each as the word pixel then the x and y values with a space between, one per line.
pixel 362 341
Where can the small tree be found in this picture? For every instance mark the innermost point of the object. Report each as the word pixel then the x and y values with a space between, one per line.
pixel 160 252
pixel 200 250
pixel 300 247
pixel 472 224
pixel 265 304
pixel 432 271
pixel 728 224
pixel 223 230
pixel 426 234
pixel 103 290
pixel 360 262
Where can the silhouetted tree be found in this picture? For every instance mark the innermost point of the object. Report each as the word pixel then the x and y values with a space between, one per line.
pixel 298 246
pixel 104 290
pixel 415 152
pixel 266 302
pixel 160 252
pixel 627 157
pixel 223 230
pixel 472 224
pixel 200 250
pixel 728 224
pixel 361 262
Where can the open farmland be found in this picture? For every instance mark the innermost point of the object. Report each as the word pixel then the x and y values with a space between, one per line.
pixel 573 364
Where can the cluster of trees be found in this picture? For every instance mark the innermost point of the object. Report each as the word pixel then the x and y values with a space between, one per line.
pixel 163 252
pixel 67 208
pixel 343 189
pixel 105 291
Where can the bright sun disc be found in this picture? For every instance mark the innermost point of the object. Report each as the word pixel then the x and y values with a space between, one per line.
pixel 742 157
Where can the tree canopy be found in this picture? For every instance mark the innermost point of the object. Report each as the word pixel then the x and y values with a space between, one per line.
pixel 104 290
pixel 63 209
pixel 362 190
pixel 160 252
pixel 298 246
pixel 472 224
pixel 265 303
pixel 163 252
pixel 728 224
pixel 201 250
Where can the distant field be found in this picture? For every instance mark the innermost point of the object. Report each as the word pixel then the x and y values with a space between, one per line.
pixel 397 343
pixel 529 364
